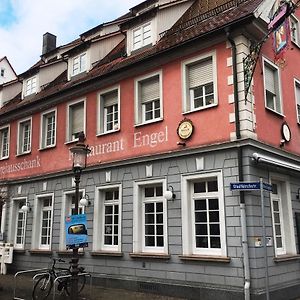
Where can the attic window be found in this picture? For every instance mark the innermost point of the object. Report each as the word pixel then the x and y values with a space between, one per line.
pixel 2 72
pixel 30 86
pixel 142 36
pixel 79 64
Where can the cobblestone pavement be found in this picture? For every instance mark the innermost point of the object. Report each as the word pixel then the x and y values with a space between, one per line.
pixel 24 288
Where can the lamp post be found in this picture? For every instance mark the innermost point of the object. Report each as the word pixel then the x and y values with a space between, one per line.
pixel 80 152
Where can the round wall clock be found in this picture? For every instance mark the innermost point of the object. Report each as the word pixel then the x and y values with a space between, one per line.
pixel 286 132
pixel 185 129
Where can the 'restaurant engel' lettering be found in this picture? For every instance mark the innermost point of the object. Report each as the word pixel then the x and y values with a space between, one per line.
pixel 151 139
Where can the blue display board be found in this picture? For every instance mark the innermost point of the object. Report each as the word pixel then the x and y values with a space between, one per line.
pixel 76 231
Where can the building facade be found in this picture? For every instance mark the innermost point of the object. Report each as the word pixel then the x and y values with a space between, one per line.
pixel 160 95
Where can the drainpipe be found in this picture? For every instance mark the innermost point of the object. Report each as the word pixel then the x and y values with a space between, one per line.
pixel 240 169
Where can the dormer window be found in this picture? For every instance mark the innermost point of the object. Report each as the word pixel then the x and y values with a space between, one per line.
pixel 79 64
pixel 30 86
pixel 142 36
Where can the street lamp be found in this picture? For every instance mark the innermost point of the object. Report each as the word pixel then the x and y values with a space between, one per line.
pixel 80 152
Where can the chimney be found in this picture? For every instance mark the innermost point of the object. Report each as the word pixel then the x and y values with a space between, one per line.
pixel 49 42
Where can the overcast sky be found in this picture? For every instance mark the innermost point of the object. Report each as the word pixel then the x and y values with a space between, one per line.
pixel 23 23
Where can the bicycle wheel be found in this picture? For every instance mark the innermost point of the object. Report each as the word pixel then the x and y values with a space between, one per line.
pixel 42 287
pixel 81 284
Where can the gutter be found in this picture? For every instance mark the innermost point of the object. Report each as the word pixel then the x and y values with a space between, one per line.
pixel 240 169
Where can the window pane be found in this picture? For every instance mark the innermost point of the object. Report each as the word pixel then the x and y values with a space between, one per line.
pixel 201 242
pixel 200 204
pixel 215 242
pixel 212 186
pixel 149 192
pixel 199 187
pixel 213 204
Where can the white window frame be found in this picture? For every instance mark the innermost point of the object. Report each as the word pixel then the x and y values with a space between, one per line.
pixel 20 141
pixel 297 101
pixel 277 110
pixel 186 96
pixel 12 231
pixel 99 213
pixel 32 89
pixel 139 110
pixel 71 60
pixel 295 33
pixel 44 127
pixel 37 219
pixel 130 36
pixel 66 209
pixel 143 39
pixel 139 219
pixel 7 145
pixel 101 115
pixel 187 211
pixel 69 135
pixel 286 222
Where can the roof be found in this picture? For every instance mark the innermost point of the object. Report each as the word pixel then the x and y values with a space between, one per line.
pixel 198 21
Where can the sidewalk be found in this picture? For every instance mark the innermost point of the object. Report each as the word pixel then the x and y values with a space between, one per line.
pixel 24 290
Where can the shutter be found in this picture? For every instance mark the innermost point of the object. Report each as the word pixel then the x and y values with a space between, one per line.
pixel 110 98
pixel 77 117
pixel 200 73
pixel 149 89
pixel 270 79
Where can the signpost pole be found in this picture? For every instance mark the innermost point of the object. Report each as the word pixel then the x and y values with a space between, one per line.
pixel 264 239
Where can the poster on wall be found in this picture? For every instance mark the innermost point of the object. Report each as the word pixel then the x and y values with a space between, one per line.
pixel 76 231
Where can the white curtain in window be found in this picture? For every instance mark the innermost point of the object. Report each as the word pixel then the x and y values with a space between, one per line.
pixel 200 73
pixel 149 89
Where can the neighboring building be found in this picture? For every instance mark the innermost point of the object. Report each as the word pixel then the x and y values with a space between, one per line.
pixel 7 73
pixel 160 96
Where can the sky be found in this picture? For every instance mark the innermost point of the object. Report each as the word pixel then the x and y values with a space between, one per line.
pixel 23 23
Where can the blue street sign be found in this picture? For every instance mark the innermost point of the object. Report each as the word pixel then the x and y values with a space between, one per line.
pixel 249 186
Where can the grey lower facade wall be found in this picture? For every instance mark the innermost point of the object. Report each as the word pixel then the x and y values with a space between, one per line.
pixel 173 276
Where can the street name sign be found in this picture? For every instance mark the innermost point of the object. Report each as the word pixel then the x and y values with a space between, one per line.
pixel 249 186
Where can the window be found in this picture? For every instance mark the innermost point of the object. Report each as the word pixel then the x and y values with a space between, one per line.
pixel 107 232
pixel 43 218
pixel 76 119
pixel 203 215
pixel 109 119
pixel 30 86
pixel 79 64
pixel 142 36
pixel 282 218
pixel 148 99
pixel 199 78
pixel 294 29
pixel 297 96
pixel 2 72
pixel 18 223
pixel 24 137
pixel 4 142
pixel 68 207
pixel 150 218
pixel 48 129
pixel 272 89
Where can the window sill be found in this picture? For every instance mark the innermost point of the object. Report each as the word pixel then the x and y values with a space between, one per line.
pixel 69 253
pixel 150 255
pixel 71 142
pixel 40 251
pixel 108 132
pixel 19 251
pixel 282 258
pixel 200 109
pixel 24 153
pixel 4 158
pixel 221 259
pixel 149 122
pixel 106 253
pixel 47 148
pixel 275 112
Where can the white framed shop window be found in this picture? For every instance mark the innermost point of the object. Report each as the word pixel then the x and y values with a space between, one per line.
pixel 282 216
pixel 150 232
pixel 42 222
pixel 203 215
pixel 107 218
pixel 18 219
pixel 68 209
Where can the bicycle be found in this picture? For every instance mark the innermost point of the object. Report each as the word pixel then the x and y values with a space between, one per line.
pixel 42 288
